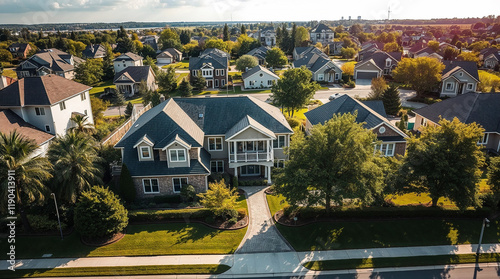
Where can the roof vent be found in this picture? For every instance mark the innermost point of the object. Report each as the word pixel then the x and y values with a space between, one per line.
pixel 136 125
pixel 200 115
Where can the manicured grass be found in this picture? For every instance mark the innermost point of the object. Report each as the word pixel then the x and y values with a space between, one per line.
pixel 181 76
pixel 184 64
pixel 418 199
pixel 275 203
pixel 400 262
pixel 9 73
pixel 236 90
pixel 297 114
pixel 140 240
pixel 394 233
pixel 99 88
pixel 117 271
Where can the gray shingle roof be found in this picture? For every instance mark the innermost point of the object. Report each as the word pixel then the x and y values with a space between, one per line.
pixel 469 66
pixel 468 108
pixel 379 58
pixel 259 52
pixel 312 61
pixel 129 56
pixel 367 113
pixel 257 69
pixel 246 122
pixel 53 59
pixel 136 73
pixel 94 51
pixel 305 50
pixel 320 28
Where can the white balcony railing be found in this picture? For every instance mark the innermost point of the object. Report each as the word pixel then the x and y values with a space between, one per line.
pixel 244 157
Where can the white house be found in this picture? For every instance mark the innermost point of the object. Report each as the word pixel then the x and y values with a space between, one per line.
pixel 125 60
pixel 169 56
pixel 259 77
pixel 47 102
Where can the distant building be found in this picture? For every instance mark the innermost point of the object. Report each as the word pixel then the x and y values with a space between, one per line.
pixel 49 61
pixel 19 50
pixel 125 60
pixel 94 51
pixel 322 34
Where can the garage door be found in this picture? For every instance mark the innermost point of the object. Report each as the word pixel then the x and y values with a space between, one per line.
pixel 366 75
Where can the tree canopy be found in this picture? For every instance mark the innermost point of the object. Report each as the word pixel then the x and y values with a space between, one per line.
pixel 294 89
pixel 276 58
pixel 444 161
pixel 422 73
pixel 246 62
pixel 336 161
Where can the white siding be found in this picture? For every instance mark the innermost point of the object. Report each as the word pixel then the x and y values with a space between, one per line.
pixel 61 118
pixel 258 80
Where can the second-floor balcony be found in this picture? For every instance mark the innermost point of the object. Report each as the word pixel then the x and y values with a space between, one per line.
pixel 251 151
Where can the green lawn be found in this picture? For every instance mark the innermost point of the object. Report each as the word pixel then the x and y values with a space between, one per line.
pixel 236 90
pixel 394 233
pixel 275 203
pixel 184 64
pixel 117 271
pixel 10 73
pixel 140 240
pixel 99 88
pixel 181 76
pixel 400 262
pixel 297 114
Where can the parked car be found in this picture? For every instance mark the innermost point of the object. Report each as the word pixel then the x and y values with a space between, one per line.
pixel 334 96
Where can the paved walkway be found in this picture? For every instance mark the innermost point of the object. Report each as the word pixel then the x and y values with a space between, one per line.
pixel 255 263
pixel 262 235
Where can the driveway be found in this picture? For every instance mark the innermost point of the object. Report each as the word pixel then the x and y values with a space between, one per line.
pixel 262 235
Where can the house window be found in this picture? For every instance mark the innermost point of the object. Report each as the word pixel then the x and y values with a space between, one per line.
pixel 215 144
pixel 388 62
pixel 194 73
pixel 150 186
pixel 221 72
pixel 217 166
pixel 145 152
pixel 177 155
pixel 387 71
pixel 387 149
pixel 252 82
pixel 461 74
pixel 250 170
pixel 279 142
pixel 178 183
pixel 39 111
pixel 279 163
pixel 484 139
pixel 216 83
pixel 449 86
pixel 62 105
pixel 222 82
pixel 85 112
pixel 47 128
pixel 470 86
pixel 337 76
pixel 321 77
pixel 83 96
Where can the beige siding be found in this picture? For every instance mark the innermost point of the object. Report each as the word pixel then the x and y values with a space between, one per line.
pixel 139 152
pixel 250 134
pixel 177 164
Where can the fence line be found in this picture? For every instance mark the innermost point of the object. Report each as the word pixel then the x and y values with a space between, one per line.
pixel 120 131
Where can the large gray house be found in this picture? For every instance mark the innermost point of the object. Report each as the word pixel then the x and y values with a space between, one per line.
pixel 183 140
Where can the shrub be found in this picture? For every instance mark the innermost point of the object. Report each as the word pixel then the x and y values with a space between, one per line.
pixel 350 84
pixel 167 199
pixel 171 214
pixel 42 223
pixel 99 213
pixel 127 187
pixel 235 182
pixel 293 122
pixel 220 199
pixel 188 193
pixel 242 212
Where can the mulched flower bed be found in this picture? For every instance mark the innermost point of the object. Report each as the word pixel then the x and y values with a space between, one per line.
pixel 103 241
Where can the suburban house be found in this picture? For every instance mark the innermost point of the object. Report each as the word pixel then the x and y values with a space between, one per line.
pixel 47 102
pixel 259 77
pixel 379 63
pixel 126 60
pixel 371 113
pixel 10 122
pixel 300 52
pixel 458 77
pixel 20 50
pixel 6 81
pixel 267 36
pixel 321 34
pixel 468 108
pixel 260 53
pixel 322 68
pixel 94 51
pixel 169 56
pixel 213 65
pixel 49 61
pixel 128 80
pixel 368 48
pixel 152 41
pixel 490 57
pixel 428 52
pixel 416 48
pixel 334 47
pixel 183 140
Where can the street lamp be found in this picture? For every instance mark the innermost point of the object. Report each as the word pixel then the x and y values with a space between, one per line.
pixel 486 223
pixel 57 212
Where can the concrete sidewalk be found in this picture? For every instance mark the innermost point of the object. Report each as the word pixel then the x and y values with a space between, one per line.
pixel 255 263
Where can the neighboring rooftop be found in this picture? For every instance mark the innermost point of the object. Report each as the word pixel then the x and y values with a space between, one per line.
pixel 133 73
pixel 9 121
pixel 129 56
pixel 257 69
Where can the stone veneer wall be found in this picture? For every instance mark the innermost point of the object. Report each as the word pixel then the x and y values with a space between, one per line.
pixel 166 185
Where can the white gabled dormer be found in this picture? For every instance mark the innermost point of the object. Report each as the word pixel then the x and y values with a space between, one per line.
pixel 145 149
pixel 388 62
pixel 177 151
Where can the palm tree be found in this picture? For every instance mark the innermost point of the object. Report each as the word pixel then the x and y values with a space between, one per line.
pixel 76 164
pixel 30 172
pixel 81 125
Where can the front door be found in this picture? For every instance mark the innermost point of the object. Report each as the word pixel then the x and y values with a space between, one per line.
pixel 461 88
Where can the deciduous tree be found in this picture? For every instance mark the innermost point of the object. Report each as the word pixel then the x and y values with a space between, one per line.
pixel 90 72
pixel 379 85
pixel 276 58
pixel 422 73
pixel 246 62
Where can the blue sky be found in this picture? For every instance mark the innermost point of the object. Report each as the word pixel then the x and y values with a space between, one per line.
pixel 63 11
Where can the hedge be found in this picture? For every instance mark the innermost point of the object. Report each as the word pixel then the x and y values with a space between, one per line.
pixel 312 213
pixel 173 214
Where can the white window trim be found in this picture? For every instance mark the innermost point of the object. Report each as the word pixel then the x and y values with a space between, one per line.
pixel 173 184
pixel 482 141
pixel 149 151
pixel 379 148
pixel 47 128
pixel 215 139
pixel 216 83
pixel 62 105
pixel 471 86
pixel 177 153
pixel 41 111
pixel 151 184
pixel 277 139
pixel 452 86
pixel 83 96
pixel 278 161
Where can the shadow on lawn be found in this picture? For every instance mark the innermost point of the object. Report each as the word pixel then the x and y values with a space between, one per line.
pixel 195 232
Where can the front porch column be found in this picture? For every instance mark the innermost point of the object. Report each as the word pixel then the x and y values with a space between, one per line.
pixel 235 151
pixel 236 171
pixel 268 170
